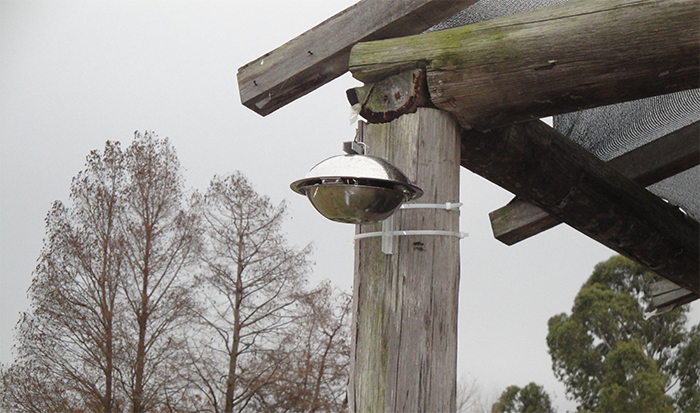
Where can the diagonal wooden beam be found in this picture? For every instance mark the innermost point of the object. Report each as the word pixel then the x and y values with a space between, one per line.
pixel 321 54
pixel 646 165
pixel 559 59
pixel 539 164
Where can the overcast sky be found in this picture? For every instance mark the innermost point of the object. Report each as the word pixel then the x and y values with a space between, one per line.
pixel 74 74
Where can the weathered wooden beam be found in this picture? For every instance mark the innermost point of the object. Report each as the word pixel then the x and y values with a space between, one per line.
pixel 405 305
pixel 321 54
pixel 392 97
pixel 543 167
pixel 661 158
pixel 559 59
pixel 665 293
pixel 646 165
pixel 520 220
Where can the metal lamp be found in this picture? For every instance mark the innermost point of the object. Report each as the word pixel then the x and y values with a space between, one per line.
pixel 356 188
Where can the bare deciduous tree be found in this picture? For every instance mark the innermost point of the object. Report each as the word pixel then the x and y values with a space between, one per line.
pixel 160 241
pixel 251 285
pixel 110 274
pixel 119 322
pixel 66 344
pixel 316 357
pixel 470 397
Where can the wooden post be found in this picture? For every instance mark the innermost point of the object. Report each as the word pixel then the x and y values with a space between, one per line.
pixel 404 353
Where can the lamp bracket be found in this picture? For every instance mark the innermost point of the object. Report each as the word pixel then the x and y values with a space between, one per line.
pixel 354 148
pixel 450 206
pixel 388 233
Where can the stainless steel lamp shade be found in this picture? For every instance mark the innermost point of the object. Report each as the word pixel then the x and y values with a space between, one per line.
pixel 356 189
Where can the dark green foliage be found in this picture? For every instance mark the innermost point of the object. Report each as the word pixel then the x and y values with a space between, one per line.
pixel 610 358
pixel 632 382
pixel 530 399
pixel 688 367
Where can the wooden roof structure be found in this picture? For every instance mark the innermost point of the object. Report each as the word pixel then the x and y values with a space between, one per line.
pixel 497 78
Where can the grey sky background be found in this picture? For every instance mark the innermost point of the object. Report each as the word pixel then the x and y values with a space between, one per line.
pixel 74 74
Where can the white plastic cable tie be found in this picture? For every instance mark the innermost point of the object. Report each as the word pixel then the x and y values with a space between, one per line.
pixel 450 206
pixel 459 235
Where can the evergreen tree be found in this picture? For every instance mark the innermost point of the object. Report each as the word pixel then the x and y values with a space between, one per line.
pixel 610 358
pixel 529 399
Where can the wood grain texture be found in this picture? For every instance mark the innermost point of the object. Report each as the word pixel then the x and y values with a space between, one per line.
pixel 665 293
pixel 559 59
pixel 321 54
pixel 520 220
pixel 404 355
pixel 646 165
pixel 392 97
pixel 543 167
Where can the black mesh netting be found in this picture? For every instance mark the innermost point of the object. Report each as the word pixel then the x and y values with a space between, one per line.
pixel 610 131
